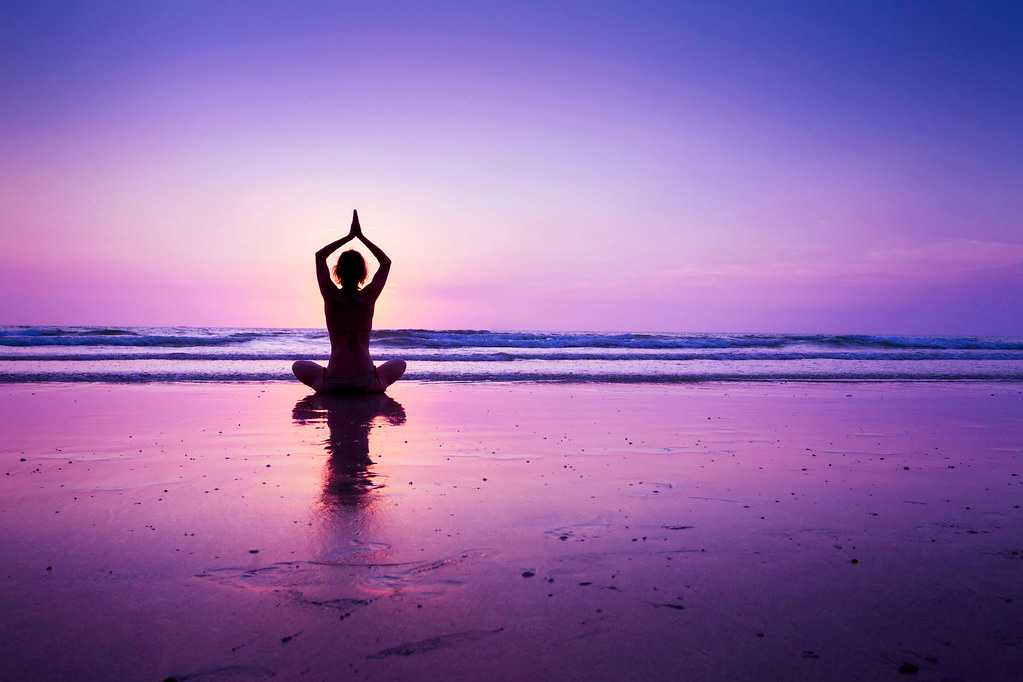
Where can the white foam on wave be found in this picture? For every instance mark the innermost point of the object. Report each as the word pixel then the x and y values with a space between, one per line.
pixel 184 337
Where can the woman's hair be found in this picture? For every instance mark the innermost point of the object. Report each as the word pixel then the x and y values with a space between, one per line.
pixel 350 270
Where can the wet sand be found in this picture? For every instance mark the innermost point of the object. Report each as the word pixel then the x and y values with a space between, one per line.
pixel 534 532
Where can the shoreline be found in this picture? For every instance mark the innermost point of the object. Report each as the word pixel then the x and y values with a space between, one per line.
pixel 521 380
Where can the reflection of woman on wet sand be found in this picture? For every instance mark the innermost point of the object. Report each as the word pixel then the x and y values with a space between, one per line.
pixel 349 419
pixel 349 313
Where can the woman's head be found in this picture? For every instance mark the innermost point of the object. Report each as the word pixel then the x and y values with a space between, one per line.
pixel 350 270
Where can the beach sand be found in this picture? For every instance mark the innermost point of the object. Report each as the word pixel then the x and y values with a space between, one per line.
pixel 506 532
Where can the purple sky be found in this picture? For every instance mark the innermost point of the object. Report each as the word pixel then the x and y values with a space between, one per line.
pixel 792 167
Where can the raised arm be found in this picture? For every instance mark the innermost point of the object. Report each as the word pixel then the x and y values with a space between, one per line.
pixel 327 286
pixel 380 277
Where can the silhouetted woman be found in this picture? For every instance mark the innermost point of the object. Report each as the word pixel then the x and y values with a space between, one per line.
pixel 349 312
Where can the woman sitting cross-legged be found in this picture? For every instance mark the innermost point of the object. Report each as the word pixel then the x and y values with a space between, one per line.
pixel 349 313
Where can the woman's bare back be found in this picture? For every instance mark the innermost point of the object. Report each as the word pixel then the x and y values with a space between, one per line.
pixel 349 315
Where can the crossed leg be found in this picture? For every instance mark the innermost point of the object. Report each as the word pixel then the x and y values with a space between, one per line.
pixel 309 373
pixel 312 374
pixel 390 371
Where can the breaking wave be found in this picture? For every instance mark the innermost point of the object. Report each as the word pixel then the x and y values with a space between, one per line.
pixel 469 338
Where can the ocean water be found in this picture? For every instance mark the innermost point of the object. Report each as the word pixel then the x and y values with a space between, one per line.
pixel 155 354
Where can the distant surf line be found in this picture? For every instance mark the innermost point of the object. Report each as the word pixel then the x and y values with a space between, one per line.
pixel 184 337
